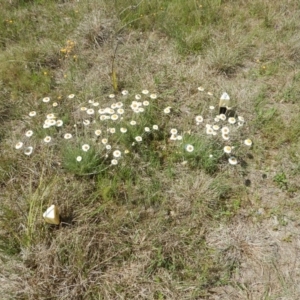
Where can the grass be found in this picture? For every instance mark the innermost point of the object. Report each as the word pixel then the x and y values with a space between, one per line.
pixel 151 204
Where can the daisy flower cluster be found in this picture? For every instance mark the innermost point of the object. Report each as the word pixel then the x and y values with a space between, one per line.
pixel 108 130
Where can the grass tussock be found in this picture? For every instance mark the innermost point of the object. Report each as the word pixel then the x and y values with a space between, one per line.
pixel 109 110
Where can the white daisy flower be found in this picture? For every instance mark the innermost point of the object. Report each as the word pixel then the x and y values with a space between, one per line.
pixel 173 131
pixel 83 108
pixel 101 111
pixel 209 93
pixel 145 92
pixel 146 103
pixel 227 149
pixel 208 126
pixel 155 127
pixel 46 99
pixel 50 116
pixel 67 136
pixel 241 119
pixel 91 101
pixel 199 119
pixel 71 96
pixel 138 138
pixel 28 150
pixel 55 104
pixel 126 151
pixel 114 162
pixel 19 145
pixel 132 122
pixel 211 107
pixel 222 117
pixel 189 148
pixel 179 137
pixel 45 125
pixel 119 104
pixel 231 120
pixel 225 136
pixel 112 130
pixel 86 122
pixel 114 105
pixel 138 97
pixel 240 124
pixel 111 96
pixel 51 122
pixel 209 131
pixel 29 133
pixel 216 119
pixel 248 142
pixel 108 147
pixel 110 111
pixel 225 130
pixel 104 141
pixel 79 158
pixel 173 137
pixel 167 110
pixel 147 129
pixel 123 130
pixel 90 111
pixel 95 104
pixel 200 89
pixel 47 139
pixel 232 160
pixel 98 132
pixel 117 153
pixel 114 117
pixel 153 96
pixel 120 111
pixel 85 147
pixel 124 92
pixel 32 113
pixel 216 127
pixel 103 117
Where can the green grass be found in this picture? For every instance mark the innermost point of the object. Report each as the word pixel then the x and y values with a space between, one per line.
pixel 145 214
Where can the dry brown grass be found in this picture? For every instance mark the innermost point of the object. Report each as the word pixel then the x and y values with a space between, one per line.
pixel 162 231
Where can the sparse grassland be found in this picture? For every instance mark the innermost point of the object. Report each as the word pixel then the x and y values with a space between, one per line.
pixel 109 110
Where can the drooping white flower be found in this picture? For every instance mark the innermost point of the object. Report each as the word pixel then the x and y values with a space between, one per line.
pixel 248 142
pixel 225 136
pixel 167 110
pixel 173 137
pixel 86 122
pixel 124 92
pixel 47 139
pixel 200 89
pixel 32 113
pixel 19 145
pixel 90 111
pixel 232 160
pixel 173 131
pixel 198 119
pixel 68 136
pixel 29 133
pixel 231 120
pixel 28 150
pixel 46 99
